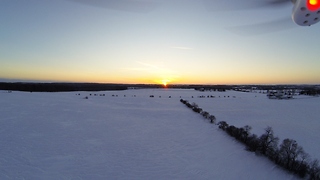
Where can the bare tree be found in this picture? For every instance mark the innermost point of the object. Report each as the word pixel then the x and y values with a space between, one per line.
pixel 205 114
pixel 268 143
pixel 212 119
pixel 314 170
pixel 223 125
pixel 301 167
pixel 289 152
pixel 245 132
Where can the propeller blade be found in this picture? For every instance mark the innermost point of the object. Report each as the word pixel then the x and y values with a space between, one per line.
pixel 137 6
pixel 234 5
pixel 278 2
pixel 263 28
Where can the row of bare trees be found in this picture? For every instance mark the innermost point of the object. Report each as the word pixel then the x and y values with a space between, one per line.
pixel 288 155
pixel 199 110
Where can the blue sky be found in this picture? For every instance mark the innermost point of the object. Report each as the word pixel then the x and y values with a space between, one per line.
pixel 168 41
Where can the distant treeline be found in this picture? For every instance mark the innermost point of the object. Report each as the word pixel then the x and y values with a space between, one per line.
pixel 288 155
pixel 60 87
pixel 64 87
pixel 199 110
pixel 277 87
pixel 310 91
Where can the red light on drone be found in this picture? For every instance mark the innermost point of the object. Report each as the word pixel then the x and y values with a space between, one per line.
pixel 313 5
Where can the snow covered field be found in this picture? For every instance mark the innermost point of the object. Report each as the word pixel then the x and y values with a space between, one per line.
pixel 297 119
pixel 132 136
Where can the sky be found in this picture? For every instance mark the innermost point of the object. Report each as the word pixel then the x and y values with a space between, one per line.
pixel 155 42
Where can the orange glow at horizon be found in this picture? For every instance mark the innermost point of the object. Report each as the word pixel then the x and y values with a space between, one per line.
pixel 127 77
pixel 165 84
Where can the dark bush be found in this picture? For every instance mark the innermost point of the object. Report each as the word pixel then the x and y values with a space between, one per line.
pixel 252 143
pixel 212 119
pixel 205 114
pixel 223 125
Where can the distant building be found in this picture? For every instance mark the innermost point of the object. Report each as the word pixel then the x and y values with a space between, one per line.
pixel 280 94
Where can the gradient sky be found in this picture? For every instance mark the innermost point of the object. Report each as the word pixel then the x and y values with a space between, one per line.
pixel 163 41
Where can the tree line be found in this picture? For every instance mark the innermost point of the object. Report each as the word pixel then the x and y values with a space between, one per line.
pixel 60 87
pixel 288 155
pixel 199 110
pixel 310 91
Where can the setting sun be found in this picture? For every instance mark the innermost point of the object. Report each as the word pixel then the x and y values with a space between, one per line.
pixel 163 82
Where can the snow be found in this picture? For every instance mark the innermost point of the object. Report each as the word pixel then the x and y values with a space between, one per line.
pixel 133 136
pixel 296 119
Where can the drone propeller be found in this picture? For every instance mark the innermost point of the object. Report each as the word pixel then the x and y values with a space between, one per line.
pixel 263 28
pixel 278 2
pixel 258 28
pixel 234 5
pixel 136 6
